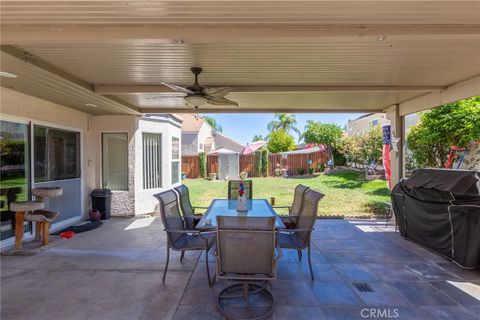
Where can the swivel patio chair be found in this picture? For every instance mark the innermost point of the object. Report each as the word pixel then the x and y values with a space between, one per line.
pixel 178 237
pixel 290 221
pixel 300 237
pixel 234 186
pixel 191 218
pixel 246 252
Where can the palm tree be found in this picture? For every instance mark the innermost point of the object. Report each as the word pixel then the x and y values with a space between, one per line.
pixel 257 137
pixel 285 122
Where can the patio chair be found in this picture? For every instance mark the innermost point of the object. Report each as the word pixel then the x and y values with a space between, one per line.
pixel 234 186
pixel 247 252
pixel 178 237
pixel 191 218
pixel 300 237
pixel 290 221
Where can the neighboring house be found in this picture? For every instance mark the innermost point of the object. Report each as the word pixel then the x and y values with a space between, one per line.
pixel 222 141
pixel 47 144
pixel 364 123
pixel 196 135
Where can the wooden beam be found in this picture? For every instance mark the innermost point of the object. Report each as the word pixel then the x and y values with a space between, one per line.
pixel 191 34
pixel 458 91
pixel 244 110
pixel 138 89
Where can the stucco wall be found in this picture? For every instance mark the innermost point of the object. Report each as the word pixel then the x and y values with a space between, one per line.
pixel 363 125
pixel 16 105
pixel 204 133
pixel 123 201
pixel 189 144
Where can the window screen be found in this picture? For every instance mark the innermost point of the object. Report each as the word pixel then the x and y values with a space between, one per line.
pixel 115 161
pixel 56 154
pixel 152 160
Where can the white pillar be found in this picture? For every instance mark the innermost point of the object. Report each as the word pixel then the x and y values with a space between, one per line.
pixel 396 157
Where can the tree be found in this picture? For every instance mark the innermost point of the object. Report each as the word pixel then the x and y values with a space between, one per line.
pixel 213 123
pixel 328 134
pixel 257 137
pixel 202 159
pixel 265 162
pixel 454 124
pixel 280 141
pixel 371 145
pixel 284 121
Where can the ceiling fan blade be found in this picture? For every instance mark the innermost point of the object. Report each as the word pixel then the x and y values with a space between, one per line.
pixel 221 101
pixel 217 91
pixel 177 88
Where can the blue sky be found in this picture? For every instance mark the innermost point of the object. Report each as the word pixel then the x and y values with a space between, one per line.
pixel 243 126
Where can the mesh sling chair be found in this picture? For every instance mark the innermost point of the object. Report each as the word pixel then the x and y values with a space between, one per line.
pixel 234 186
pixel 191 218
pixel 290 221
pixel 178 237
pixel 300 237
pixel 247 252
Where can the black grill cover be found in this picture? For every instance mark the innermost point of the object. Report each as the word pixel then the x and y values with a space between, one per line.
pixel 440 209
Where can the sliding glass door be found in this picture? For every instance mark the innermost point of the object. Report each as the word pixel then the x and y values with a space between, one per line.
pixel 56 163
pixel 14 172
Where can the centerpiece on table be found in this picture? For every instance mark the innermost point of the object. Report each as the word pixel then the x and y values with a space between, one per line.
pixel 242 199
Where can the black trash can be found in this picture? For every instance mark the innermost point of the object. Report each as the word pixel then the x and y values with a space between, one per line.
pixel 102 201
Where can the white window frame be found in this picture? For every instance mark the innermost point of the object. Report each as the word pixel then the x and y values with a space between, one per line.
pixel 158 165
pixel 101 157
pixel 175 161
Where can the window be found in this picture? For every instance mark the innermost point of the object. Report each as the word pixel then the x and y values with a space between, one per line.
pixel 152 161
pixel 175 160
pixel 115 161
pixel 56 154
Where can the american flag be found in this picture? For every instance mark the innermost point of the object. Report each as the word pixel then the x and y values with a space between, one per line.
pixel 387 142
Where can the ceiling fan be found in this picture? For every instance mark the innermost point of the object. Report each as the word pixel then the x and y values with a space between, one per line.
pixel 198 96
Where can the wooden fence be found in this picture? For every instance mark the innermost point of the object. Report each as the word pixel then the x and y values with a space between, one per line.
pixel 292 162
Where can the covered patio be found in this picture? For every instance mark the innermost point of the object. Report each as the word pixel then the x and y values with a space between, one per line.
pixel 115 272
pixel 90 73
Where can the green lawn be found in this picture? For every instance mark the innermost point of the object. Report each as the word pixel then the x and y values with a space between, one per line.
pixel 345 193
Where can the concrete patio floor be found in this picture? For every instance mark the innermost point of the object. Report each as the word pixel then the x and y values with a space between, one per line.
pixel 115 272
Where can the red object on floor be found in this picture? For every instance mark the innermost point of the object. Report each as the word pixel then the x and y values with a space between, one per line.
pixel 67 234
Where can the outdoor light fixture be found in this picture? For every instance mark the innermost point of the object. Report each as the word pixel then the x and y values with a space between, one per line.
pixel 196 101
pixel 7 74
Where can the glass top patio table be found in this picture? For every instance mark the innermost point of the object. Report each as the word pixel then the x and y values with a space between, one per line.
pixel 225 207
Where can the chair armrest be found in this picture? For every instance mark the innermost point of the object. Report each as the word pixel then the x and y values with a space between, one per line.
pixel 182 231
pixel 202 208
pixel 204 233
pixel 281 207
pixel 296 230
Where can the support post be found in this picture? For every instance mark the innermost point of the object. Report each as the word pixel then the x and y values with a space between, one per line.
pixel 396 157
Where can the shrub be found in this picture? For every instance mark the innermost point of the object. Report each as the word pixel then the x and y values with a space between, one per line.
pixel 264 169
pixel 202 157
pixel 258 163
pixel 321 167
pixel 311 170
pixel 301 171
